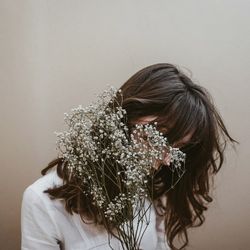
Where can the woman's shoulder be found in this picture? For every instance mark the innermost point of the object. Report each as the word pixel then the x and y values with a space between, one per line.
pixel 36 189
pixel 39 224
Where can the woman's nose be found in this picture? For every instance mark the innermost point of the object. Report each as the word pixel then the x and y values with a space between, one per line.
pixel 166 159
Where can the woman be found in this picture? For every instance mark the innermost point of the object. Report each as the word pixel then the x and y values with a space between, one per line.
pixel 186 115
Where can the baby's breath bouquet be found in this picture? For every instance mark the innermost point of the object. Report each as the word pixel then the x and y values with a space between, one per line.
pixel 113 163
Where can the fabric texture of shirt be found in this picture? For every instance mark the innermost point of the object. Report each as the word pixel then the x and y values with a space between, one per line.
pixel 46 225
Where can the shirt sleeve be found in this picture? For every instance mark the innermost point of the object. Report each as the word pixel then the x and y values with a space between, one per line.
pixel 37 226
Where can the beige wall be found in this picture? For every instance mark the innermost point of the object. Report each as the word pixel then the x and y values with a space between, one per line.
pixel 56 54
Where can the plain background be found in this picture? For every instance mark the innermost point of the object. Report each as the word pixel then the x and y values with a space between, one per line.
pixel 57 54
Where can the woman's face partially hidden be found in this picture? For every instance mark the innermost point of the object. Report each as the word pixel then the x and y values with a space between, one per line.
pixel 181 143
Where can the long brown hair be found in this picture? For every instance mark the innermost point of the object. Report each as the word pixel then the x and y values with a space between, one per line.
pixel 181 106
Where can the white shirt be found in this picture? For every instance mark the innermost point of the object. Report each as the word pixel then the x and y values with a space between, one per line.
pixel 45 222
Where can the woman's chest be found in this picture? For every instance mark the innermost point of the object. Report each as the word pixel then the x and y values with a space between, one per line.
pixel 80 236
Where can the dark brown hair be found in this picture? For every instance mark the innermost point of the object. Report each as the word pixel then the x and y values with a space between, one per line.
pixel 181 107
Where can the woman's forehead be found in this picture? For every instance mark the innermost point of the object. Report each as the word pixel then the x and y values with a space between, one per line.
pixel 182 141
pixel 146 119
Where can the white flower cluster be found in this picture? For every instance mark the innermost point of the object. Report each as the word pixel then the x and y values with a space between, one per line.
pixel 97 138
